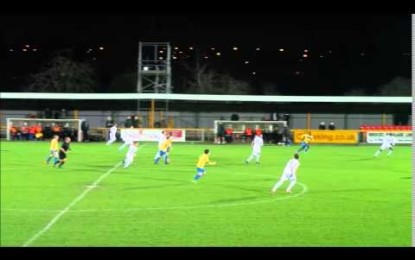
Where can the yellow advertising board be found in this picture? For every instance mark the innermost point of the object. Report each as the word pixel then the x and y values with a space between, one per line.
pixel 329 136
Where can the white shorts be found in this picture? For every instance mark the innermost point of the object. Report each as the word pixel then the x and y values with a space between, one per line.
pixel 129 157
pixel 256 151
pixel 55 153
pixel 288 176
pixel 385 146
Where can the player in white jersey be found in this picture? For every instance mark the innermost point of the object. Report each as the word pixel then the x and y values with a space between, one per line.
pixel 387 143
pixel 127 140
pixel 113 132
pixel 256 144
pixel 162 137
pixel 289 173
pixel 129 157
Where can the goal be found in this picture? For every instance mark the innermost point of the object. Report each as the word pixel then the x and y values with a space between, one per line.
pixel 47 128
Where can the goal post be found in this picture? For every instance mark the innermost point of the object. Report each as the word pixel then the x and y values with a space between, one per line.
pixel 67 127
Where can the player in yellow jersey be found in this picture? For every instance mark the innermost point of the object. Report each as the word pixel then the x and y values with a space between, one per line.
pixel 305 139
pixel 169 147
pixel 200 167
pixel 164 149
pixel 54 150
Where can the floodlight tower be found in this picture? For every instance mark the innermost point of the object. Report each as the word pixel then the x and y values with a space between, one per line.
pixel 154 69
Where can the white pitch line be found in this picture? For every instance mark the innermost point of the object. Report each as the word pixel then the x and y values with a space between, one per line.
pixel 73 202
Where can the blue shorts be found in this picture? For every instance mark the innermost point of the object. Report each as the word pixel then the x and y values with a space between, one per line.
pixel 162 153
pixel 304 144
pixel 200 170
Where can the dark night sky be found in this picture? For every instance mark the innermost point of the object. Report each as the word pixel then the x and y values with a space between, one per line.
pixel 383 38
pixel 325 28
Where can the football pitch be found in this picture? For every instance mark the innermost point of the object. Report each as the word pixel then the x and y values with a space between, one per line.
pixel 343 197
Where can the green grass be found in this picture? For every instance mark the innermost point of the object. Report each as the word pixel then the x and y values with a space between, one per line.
pixel 344 197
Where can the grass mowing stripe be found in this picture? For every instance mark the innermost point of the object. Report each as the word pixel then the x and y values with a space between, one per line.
pixel 304 190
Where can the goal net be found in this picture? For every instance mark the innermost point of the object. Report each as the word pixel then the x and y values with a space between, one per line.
pixel 39 128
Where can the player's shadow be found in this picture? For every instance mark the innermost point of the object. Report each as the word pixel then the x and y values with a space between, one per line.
pixel 103 166
pixel 89 166
pixel 361 159
pixel 252 180
pixel 162 179
pixel 350 190
pixel 222 201
pixel 250 189
pixel 147 187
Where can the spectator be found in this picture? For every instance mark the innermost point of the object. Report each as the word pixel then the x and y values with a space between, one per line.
pixel 267 135
pixel 32 132
pixel 279 135
pixel 135 121
pixel 56 129
pixel 258 130
pixel 24 130
pixel 332 126
pixel 286 136
pixel 220 134
pixel 14 133
pixel 228 135
pixel 234 117
pixel 322 126
pixel 48 131
pixel 85 129
pixel 66 130
pixel 248 134
pixel 38 132
pixel 109 122
pixel 128 123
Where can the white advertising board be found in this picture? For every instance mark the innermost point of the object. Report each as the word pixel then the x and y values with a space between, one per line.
pixel 179 135
pixel 401 137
